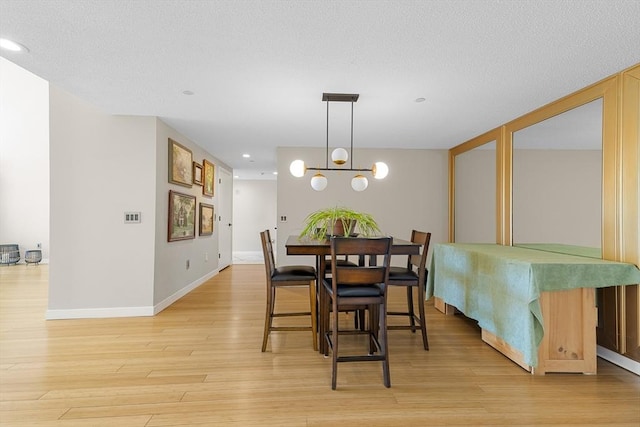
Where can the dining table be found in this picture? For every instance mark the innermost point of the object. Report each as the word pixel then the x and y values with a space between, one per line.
pixel 321 248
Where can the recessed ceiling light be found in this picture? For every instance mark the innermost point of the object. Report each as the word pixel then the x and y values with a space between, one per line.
pixel 187 92
pixel 420 99
pixel 12 46
pixel 246 156
pixel 275 173
pixel 236 176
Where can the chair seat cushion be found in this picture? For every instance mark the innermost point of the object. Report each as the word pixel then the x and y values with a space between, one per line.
pixel 342 263
pixel 294 272
pixel 355 290
pixel 402 273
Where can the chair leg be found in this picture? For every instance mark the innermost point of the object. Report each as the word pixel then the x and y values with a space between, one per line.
pixel 268 316
pixel 361 318
pixel 423 319
pixel 373 328
pixel 382 338
pixel 334 350
pixel 410 308
pixel 324 321
pixel 314 314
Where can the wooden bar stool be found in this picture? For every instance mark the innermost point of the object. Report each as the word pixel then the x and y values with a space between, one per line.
pixel 357 286
pixel 413 276
pixel 287 276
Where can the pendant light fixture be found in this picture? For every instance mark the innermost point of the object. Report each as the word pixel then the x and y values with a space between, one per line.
pixel 339 156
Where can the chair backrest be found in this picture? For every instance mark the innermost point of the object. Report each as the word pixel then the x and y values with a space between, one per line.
pixel 364 274
pixel 267 252
pixel 419 262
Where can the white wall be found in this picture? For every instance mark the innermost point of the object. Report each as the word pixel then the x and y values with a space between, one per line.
pixel 413 196
pixel 24 159
pixel 101 167
pixel 98 166
pixel 254 210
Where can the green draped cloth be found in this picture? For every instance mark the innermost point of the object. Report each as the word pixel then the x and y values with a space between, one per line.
pixel 500 286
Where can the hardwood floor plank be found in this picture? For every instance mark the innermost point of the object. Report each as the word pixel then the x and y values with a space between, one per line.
pixel 199 363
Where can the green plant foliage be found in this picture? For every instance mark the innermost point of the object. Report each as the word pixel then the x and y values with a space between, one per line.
pixel 320 223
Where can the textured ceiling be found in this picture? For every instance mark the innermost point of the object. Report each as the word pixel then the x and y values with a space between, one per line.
pixel 258 68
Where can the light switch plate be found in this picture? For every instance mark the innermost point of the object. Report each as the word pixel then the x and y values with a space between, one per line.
pixel 132 217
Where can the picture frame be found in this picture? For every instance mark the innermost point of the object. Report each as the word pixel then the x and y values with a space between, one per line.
pixel 182 216
pixel 207 219
pixel 180 164
pixel 208 178
pixel 197 173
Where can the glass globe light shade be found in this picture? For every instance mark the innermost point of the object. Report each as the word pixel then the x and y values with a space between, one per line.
pixel 380 170
pixel 339 156
pixel 319 182
pixel 359 183
pixel 297 168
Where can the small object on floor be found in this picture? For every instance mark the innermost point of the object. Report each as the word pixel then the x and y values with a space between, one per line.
pixel 33 256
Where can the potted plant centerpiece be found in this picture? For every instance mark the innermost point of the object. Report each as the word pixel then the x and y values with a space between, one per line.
pixel 338 221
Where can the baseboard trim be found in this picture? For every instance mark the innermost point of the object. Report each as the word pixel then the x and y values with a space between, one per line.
pixel 144 311
pixel 98 313
pixel 182 292
pixel 247 257
pixel 618 359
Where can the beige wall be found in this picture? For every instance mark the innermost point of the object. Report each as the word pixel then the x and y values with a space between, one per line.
pixel 475 197
pixel 414 195
pixel 172 278
pixel 557 197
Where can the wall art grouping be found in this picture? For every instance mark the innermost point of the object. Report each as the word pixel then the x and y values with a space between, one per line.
pixel 182 217
pixel 183 170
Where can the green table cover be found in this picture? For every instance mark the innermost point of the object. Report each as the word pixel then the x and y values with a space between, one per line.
pixel 564 249
pixel 500 286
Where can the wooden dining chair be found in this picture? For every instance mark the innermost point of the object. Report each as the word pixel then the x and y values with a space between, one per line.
pixel 413 276
pixel 287 276
pixel 356 286
pixel 358 314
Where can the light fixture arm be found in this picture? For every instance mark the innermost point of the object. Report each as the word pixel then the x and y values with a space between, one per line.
pixel 340 169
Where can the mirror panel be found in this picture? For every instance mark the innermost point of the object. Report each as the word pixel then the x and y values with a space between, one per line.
pixel 557 179
pixel 475 195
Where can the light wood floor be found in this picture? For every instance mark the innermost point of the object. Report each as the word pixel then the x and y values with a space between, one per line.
pixel 199 363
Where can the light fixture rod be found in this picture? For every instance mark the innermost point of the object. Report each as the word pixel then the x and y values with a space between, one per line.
pixel 351 154
pixel 326 156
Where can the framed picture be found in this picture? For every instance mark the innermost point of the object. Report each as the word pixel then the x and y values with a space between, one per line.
pixel 207 219
pixel 182 216
pixel 208 178
pixel 180 164
pixel 197 173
